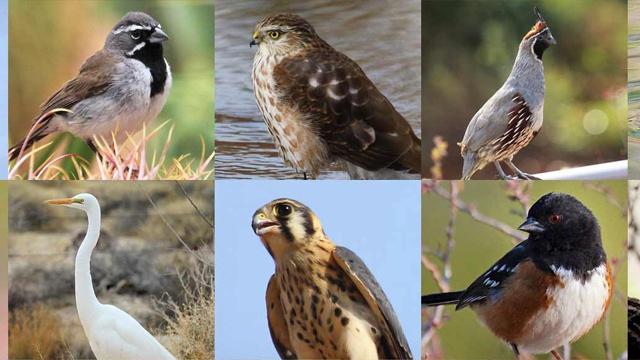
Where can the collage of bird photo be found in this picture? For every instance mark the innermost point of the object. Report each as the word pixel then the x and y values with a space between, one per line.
pixel 320 179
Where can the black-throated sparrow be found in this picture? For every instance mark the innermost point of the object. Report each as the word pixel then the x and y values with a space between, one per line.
pixel 117 90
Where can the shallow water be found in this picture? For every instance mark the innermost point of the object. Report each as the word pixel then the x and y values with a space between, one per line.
pixel 383 37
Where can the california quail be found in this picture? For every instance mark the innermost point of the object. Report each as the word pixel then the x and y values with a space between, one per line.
pixel 512 117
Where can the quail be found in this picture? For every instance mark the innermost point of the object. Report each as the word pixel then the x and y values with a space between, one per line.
pixel 512 117
pixel 117 90
pixel 320 106
pixel 323 302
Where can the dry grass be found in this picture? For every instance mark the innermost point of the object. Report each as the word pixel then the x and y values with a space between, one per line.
pixel 190 325
pixel 34 333
pixel 127 161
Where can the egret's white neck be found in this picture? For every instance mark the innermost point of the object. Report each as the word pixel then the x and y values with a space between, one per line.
pixel 86 300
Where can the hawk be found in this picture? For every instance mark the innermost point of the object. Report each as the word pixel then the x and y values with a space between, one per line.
pixel 322 301
pixel 320 107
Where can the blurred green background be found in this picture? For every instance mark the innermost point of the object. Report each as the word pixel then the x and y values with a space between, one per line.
pixel 478 246
pixel 49 41
pixel 468 51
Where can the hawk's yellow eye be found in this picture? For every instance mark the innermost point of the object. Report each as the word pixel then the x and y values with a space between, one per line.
pixel 283 210
pixel 274 34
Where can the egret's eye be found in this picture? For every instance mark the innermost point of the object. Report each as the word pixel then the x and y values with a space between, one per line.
pixel 555 219
pixel 283 210
pixel 135 34
pixel 274 34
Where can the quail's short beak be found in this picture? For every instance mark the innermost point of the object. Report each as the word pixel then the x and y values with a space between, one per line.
pixel 261 224
pixel 158 36
pixel 532 226
pixel 256 39
pixel 66 201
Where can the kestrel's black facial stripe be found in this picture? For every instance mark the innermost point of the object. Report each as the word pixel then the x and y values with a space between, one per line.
pixel 284 227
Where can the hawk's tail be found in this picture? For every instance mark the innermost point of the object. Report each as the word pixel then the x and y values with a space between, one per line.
pixel 412 159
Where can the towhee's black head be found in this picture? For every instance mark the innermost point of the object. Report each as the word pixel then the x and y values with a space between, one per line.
pixel 564 233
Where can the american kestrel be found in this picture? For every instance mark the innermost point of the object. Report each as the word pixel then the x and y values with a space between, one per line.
pixel 320 106
pixel 322 301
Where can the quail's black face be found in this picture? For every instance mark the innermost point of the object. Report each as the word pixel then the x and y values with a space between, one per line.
pixel 542 42
pixel 135 34
pixel 563 222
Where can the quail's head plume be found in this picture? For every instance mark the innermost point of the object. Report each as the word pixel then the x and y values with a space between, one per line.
pixel 512 117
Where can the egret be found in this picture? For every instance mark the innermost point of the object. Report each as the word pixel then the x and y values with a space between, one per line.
pixel 112 333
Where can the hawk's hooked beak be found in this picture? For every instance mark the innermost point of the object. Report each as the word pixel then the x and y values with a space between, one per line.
pixel 158 36
pixel 66 201
pixel 261 224
pixel 532 226
pixel 256 39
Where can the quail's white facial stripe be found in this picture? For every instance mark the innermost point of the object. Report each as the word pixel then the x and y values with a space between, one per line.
pixel 132 28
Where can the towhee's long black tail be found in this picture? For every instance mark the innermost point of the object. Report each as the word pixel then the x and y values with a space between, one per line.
pixel 442 298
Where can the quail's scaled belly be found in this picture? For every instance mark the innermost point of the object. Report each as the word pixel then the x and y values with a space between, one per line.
pixel 326 315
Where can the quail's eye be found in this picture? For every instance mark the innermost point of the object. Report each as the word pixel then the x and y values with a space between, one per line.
pixel 283 210
pixel 274 34
pixel 135 34
pixel 555 218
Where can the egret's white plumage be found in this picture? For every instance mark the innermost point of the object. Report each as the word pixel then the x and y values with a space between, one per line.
pixel 112 333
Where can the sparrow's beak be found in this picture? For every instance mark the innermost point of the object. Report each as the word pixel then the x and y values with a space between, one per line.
pixel 158 36
pixel 66 201
pixel 532 226
pixel 256 39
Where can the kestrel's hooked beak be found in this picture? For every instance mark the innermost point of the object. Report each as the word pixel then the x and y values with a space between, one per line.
pixel 66 201
pixel 256 39
pixel 261 224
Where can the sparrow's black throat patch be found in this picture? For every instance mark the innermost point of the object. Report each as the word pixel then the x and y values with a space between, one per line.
pixel 151 55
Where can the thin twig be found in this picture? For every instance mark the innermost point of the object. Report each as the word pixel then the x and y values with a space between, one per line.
pixel 202 215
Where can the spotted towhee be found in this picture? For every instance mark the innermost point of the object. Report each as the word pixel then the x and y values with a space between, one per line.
pixel 551 288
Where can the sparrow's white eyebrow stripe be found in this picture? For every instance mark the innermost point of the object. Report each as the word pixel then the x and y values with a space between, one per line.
pixel 136 48
pixel 130 28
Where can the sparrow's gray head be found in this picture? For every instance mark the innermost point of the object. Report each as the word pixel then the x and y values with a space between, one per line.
pixel 136 32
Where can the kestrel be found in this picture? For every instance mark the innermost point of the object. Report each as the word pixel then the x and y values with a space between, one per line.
pixel 322 301
pixel 320 106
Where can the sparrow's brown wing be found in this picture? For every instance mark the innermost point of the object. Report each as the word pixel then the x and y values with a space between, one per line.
pixel 354 119
pixel 93 79
pixel 278 327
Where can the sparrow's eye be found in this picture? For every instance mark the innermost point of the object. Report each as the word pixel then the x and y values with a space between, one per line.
pixel 555 219
pixel 274 34
pixel 283 210
pixel 135 34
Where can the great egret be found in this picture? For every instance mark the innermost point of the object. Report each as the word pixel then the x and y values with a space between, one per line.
pixel 112 333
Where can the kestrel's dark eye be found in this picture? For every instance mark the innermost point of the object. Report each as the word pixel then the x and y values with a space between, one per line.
pixel 135 34
pixel 555 219
pixel 274 34
pixel 283 210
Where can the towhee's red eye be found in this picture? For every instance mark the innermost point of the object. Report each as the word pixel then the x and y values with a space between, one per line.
pixel 555 219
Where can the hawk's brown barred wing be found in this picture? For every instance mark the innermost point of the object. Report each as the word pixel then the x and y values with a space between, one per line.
pixel 353 118
pixel 394 342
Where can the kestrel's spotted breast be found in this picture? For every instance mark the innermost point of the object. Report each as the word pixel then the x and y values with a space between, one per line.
pixel 322 301
pixel 321 107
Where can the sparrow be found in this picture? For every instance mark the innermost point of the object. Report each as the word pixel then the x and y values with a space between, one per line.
pixel 320 107
pixel 322 301
pixel 512 117
pixel 118 89
pixel 550 289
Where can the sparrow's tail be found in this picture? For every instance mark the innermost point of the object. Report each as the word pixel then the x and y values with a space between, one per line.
pixel 35 135
pixel 441 298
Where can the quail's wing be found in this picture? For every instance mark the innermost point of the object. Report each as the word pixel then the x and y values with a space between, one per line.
pixel 277 323
pixel 490 283
pixel 396 344
pixel 93 79
pixel 345 108
pixel 502 116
